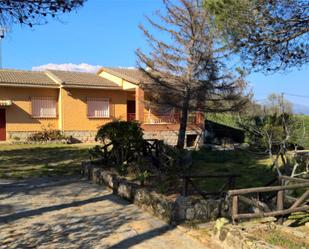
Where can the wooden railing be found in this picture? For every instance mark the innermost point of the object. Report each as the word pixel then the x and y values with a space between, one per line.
pixel 131 116
pixel 193 118
pixel 229 183
pixel 263 209
pixel 161 119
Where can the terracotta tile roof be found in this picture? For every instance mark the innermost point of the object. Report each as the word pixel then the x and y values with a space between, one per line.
pixel 133 75
pixel 79 79
pixel 25 78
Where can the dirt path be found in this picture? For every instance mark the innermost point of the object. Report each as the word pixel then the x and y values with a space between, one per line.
pixel 70 213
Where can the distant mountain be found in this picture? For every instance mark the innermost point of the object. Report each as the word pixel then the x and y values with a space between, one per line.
pixel 300 109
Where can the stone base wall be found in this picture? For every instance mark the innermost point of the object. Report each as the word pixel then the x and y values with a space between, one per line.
pixel 18 135
pixel 82 136
pixel 173 211
pixel 170 137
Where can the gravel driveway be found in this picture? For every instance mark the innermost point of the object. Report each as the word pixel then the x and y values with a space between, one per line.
pixel 72 213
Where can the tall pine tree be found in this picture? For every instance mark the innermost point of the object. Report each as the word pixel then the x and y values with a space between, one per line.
pixel 187 69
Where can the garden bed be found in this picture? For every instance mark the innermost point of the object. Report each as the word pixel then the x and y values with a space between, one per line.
pixel 171 208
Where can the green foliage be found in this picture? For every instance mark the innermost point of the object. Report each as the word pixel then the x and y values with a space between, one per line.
pixel 47 134
pixel 302 126
pixel 224 119
pixel 122 143
pixel 271 129
pixel 120 132
pixel 249 165
pixel 124 148
pixel 299 218
pixel 174 161
pixel 268 35
pixel 143 176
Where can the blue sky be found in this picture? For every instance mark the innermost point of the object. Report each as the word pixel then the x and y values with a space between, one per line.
pixel 105 32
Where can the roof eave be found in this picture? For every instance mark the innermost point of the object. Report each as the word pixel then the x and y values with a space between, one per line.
pixel 111 71
pixel 91 87
pixel 28 85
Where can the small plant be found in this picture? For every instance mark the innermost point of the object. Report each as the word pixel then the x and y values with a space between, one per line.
pixel 47 134
pixel 143 176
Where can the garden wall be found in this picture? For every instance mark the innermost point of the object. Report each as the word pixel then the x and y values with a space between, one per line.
pixel 171 210
pixel 83 136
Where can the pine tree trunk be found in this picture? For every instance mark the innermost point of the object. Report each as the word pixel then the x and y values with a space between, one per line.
pixel 183 126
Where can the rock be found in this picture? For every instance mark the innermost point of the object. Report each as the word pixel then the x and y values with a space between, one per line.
pixel 190 213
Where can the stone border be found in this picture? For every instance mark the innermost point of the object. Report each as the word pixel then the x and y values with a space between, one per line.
pixel 180 210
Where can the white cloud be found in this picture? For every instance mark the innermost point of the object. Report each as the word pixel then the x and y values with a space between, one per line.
pixel 83 67
pixel 127 67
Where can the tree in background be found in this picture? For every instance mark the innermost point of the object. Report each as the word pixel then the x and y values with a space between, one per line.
pixel 186 69
pixel 270 35
pixel 275 130
pixel 34 12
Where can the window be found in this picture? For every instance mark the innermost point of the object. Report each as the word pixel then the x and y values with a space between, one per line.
pixel 98 108
pixel 44 107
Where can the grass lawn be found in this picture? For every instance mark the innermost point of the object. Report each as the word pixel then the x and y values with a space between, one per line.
pixel 255 170
pixel 22 161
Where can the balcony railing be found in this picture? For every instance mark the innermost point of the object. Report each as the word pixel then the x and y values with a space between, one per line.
pixel 161 119
pixel 131 116
pixel 196 118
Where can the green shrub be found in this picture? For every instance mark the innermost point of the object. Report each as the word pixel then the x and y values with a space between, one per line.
pixel 143 176
pixel 126 139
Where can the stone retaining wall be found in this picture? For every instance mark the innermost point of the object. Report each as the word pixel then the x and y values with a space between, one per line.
pixel 83 136
pixel 172 211
pixel 170 137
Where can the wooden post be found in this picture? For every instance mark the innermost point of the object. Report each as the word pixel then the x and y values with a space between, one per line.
pixel 280 200
pixel 234 208
pixel 301 200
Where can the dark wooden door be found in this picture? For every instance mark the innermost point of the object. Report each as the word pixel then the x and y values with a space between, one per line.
pixel 2 125
pixel 130 110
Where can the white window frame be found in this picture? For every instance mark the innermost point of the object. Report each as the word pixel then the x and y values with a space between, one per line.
pixel 41 113
pixel 95 116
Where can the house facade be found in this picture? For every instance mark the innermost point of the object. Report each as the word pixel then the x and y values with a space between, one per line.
pixel 79 103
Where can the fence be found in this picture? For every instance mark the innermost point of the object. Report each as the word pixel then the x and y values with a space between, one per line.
pixel 263 209
pixel 229 183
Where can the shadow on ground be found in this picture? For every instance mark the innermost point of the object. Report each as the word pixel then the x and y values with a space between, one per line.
pixel 62 213
pixel 18 161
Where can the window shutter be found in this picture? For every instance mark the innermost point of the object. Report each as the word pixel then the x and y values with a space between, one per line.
pixel 98 108
pixel 44 107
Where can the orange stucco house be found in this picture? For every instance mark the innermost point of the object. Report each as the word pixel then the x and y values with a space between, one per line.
pixel 78 103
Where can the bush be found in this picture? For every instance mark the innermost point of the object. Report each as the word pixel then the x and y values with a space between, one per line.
pixel 120 132
pixel 122 143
